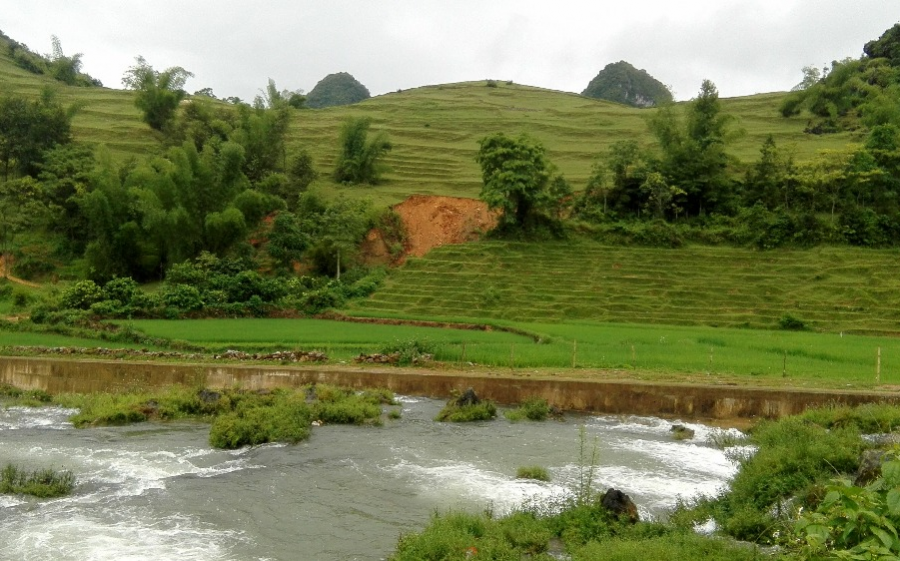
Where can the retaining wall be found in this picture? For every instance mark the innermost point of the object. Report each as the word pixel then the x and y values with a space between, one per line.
pixel 640 398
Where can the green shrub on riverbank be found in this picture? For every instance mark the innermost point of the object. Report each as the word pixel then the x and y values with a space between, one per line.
pixel 537 473
pixel 457 537
pixel 42 483
pixel 14 395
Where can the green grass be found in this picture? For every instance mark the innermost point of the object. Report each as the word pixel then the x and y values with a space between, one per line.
pixel 43 483
pixel 537 473
pixel 341 340
pixel 641 351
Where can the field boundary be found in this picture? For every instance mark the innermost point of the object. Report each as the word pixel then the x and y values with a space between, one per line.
pixel 335 316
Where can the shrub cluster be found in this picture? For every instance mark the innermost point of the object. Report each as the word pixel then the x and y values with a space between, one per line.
pixel 43 483
pixel 533 409
pixel 207 287
pixel 239 418
pixel 454 413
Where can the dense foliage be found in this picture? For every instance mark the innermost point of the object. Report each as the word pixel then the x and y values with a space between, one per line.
pixel 360 157
pixel 336 89
pixel 623 83
pixel 853 90
pixel 66 69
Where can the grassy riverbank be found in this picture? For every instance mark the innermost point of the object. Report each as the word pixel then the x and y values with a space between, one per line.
pixel 785 494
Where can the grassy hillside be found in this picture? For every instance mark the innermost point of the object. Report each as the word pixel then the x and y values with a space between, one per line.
pixel 435 129
pixel 831 289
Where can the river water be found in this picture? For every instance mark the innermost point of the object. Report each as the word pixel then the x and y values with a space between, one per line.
pixel 158 491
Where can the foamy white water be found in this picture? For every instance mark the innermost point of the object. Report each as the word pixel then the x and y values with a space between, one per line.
pixel 159 491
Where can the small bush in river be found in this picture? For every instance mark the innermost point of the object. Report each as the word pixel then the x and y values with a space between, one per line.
pixel 533 472
pixel 533 409
pixel 43 483
pixel 453 413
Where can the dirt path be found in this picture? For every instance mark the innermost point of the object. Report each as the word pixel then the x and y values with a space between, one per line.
pixel 5 274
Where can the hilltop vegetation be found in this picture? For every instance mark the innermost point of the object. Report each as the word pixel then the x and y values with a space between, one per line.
pixel 623 83
pixel 336 89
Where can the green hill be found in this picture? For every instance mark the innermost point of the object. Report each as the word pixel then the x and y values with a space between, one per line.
pixel 435 129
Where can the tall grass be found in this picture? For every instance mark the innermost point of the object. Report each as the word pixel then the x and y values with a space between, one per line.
pixel 44 483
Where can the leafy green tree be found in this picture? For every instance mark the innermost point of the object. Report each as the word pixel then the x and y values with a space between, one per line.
pixel 336 89
pixel 516 176
pixel 693 153
pixel 28 128
pixel 287 242
pixel 158 93
pixel 21 210
pixel 772 181
pixel 261 132
pixel 65 175
pixel 661 197
pixel 359 159
pixel 887 46
pixel 335 230
pixel 64 68
pixel 623 83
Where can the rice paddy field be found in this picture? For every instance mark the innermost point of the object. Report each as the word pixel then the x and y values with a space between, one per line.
pixel 654 352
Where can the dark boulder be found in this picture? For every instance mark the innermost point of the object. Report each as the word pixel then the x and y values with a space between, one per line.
pixel 620 505
pixel 681 432
pixel 468 397
pixel 870 463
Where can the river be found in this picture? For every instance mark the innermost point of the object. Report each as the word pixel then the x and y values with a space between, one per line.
pixel 158 491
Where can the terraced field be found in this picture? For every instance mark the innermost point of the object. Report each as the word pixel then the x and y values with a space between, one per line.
pixel 831 289
pixel 435 129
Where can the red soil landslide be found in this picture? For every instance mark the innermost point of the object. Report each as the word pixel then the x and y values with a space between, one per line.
pixel 433 221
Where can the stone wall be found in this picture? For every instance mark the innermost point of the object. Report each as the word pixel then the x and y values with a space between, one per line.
pixel 639 398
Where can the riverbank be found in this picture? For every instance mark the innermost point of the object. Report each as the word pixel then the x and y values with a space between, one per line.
pixel 723 401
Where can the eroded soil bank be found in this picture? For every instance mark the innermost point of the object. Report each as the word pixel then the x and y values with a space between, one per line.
pixel 697 401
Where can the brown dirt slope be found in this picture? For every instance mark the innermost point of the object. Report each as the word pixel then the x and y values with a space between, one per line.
pixel 432 221
pixel 435 221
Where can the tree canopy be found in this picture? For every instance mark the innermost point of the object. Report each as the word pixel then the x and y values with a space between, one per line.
pixel 623 83
pixel 336 89
pixel 158 93
pixel 516 176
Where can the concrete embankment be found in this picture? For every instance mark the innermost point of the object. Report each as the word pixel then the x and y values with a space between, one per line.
pixel 639 398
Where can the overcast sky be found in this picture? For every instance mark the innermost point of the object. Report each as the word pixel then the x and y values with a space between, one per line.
pixel 744 46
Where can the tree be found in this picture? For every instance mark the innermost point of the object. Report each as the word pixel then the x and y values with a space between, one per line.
pixel 28 128
pixel 811 76
pixel 887 46
pixel 336 89
pixel 158 93
pixel 693 152
pixel 623 83
pixel 359 159
pixel 516 176
pixel 64 68
pixel 20 210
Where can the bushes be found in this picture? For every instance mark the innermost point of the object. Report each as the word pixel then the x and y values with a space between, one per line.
pixel 43 483
pixel 793 457
pixel 453 413
pixel 239 418
pixel 533 409
pixel 537 473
